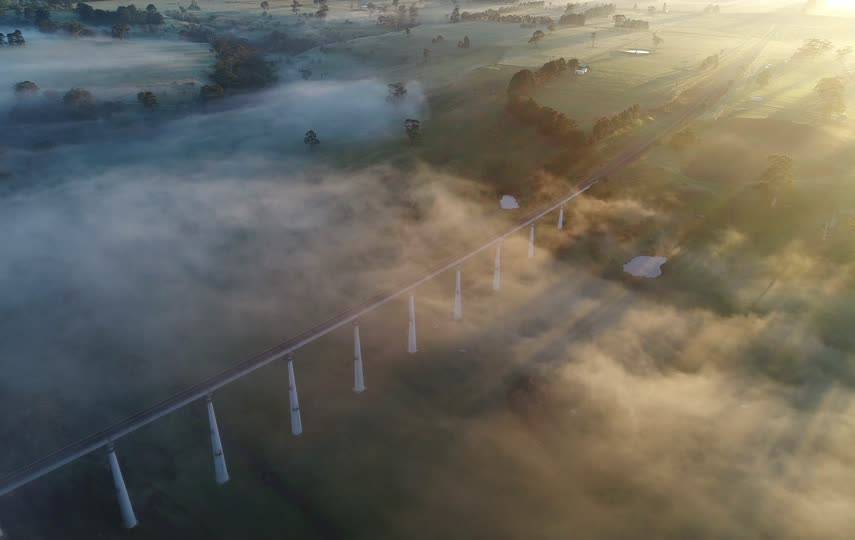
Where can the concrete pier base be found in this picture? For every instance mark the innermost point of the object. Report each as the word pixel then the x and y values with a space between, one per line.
pixel 358 376
pixel 221 471
pixel 497 268
pixel 412 345
pixel 457 312
pixel 296 421
pixel 531 242
pixel 129 519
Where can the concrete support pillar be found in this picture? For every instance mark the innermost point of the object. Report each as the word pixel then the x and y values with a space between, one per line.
pixel 412 345
pixel 358 376
pixel 129 519
pixel 497 268
pixel 531 242
pixel 296 422
pixel 458 298
pixel 221 472
pixel 561 218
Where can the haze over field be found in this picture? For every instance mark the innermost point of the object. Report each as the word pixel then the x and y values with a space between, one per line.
pixel 183 188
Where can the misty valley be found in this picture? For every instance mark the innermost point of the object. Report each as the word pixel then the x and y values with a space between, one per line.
pixel 510 269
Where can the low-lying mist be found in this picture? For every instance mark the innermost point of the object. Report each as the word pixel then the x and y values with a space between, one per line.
pixel 142 253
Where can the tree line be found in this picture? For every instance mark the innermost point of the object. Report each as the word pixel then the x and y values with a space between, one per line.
pixel 554 124
pixel 129 15
pixel 608 125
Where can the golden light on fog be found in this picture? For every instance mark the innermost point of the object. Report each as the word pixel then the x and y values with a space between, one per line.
pixel 840 4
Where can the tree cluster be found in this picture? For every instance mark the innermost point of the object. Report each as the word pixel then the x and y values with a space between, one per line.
pixel 12 39
pixel 812 48
pixel 402 17
pixel 606 126
pixel 123 15
pixel 40 17
pixel 240 65
pixel 712 9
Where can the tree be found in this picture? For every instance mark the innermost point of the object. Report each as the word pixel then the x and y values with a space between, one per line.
pixel 295 6
pixel 593 39
pixel 397 91
pixel 322 11
pixel 413 128
pixel 120 31
pixel 657 41
pixel 455 15
pixel 148 99
pixel 414 13
pixel 522 84
pixel 763 78
pixel 26 87
pixel 311 139
pixel 80 103
pixel 536 36
pixel 830 90
pixel 265 5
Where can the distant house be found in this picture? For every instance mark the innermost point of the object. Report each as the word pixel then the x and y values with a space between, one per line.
pixel 582 69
